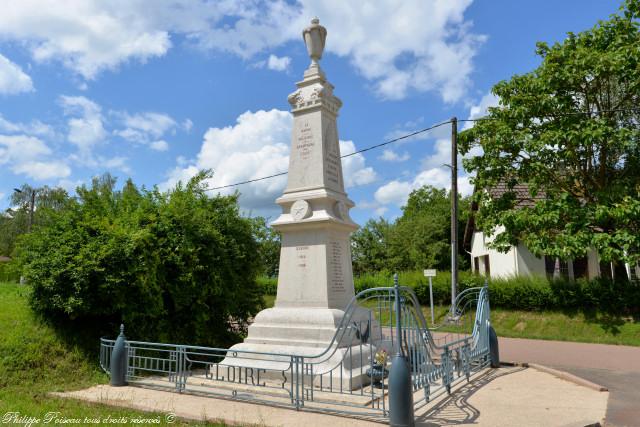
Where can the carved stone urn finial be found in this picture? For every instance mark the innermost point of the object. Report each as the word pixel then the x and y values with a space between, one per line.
pixel 314 37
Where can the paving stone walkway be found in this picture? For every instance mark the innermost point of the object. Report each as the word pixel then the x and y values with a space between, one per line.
pixel 498 397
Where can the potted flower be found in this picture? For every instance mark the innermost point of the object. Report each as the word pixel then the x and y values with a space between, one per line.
pixel 378 371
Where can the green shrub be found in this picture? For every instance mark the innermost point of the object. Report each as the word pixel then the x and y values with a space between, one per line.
pixel 521 293
pixel 269 285
pixel 177 266
pixel 9 272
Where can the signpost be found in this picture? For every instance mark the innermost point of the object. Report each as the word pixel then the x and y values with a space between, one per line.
pixel 430 273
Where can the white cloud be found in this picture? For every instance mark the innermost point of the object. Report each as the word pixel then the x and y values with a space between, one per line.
pixel 43 170
pixel 90 36
pixel 441 155
pixel 380 210
pixel 437 176
pixel 86 124
pixel 86 36
pixel 391 156
pixel 256 26
pixel 21 148
pixel 117 163
pixel 374 206
pixel 354 170
pixel 425 45
pixel 278 64
pixel 257 145
pixel 69 185
pixel 147 128
pixel 393 192
pixel 482 108
pixel 12 79
pixel 30 156
pixel 274 63
pixel 412 126
pixel 187 125
pixel 160 145
pixel 1 195
pixel 397 192
pixel 141 125
pixel 34 128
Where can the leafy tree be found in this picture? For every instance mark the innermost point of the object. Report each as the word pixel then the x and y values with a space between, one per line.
pixel 177 266
pixel 14 221
pixel 369 246
pixel 422 235
pixel 419 238
pixel 268 246
pixel 569 131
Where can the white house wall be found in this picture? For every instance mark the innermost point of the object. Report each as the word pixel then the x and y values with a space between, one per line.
pixel 500 264
pixel 593 263
pixel 528 263
pixel 518 261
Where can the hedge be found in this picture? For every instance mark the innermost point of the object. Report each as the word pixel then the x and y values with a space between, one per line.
pixel 520 293
pixel 8 272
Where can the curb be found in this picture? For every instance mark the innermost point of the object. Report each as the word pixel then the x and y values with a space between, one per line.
pixel 560 374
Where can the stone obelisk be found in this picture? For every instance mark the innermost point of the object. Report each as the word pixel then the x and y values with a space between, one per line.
pixel 315 282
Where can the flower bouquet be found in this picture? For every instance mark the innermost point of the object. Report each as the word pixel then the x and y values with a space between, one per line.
pixel 378 371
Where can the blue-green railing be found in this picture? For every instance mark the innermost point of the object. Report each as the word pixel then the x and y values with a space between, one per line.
pixel 339 377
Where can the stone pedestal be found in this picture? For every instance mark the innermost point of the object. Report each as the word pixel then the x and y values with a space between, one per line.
pixel 315 282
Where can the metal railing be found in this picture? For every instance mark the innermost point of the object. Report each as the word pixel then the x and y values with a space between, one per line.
pixel 345 376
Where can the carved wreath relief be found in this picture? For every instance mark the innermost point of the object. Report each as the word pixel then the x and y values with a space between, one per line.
pixel 340 209
pixel 300 210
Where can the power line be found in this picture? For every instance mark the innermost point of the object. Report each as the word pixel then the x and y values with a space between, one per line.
pixel 398 139
pixel 391 141
pixel 409 135
pixel 246 182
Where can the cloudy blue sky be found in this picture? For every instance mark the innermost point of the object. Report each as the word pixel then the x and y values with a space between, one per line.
pixel 156 90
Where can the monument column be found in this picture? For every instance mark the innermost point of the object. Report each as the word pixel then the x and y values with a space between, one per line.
pixel 315 260
pixel 315 282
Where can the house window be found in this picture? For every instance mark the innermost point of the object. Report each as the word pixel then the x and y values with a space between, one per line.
pixel 487 269
pixel 556 268
pixel 619 271
pixel 605 270
pixel 549 266
pixel 476 264
pixel 580 268
pixel 564 268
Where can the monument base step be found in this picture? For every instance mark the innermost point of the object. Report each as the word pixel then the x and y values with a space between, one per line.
pixel 342 368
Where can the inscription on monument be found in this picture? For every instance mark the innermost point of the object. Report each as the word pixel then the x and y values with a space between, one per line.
pixel 301 256
pixel 333 162
pixel 335 261
pixel 304 141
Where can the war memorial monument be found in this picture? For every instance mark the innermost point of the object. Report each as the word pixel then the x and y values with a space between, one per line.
pixel 315 282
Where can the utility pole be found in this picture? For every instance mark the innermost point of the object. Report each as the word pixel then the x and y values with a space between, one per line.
pixel 31 209
pixel 32 204
pixel 454 210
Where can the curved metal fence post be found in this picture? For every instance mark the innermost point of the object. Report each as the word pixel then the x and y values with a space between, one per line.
pixel 494 350
pixel 118 362
pixel 400 388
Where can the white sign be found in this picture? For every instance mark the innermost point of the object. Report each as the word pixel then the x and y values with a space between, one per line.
pixel 430 273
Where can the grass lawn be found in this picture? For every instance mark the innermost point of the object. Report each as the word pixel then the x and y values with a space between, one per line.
pixel 590 327
pixel 35 361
